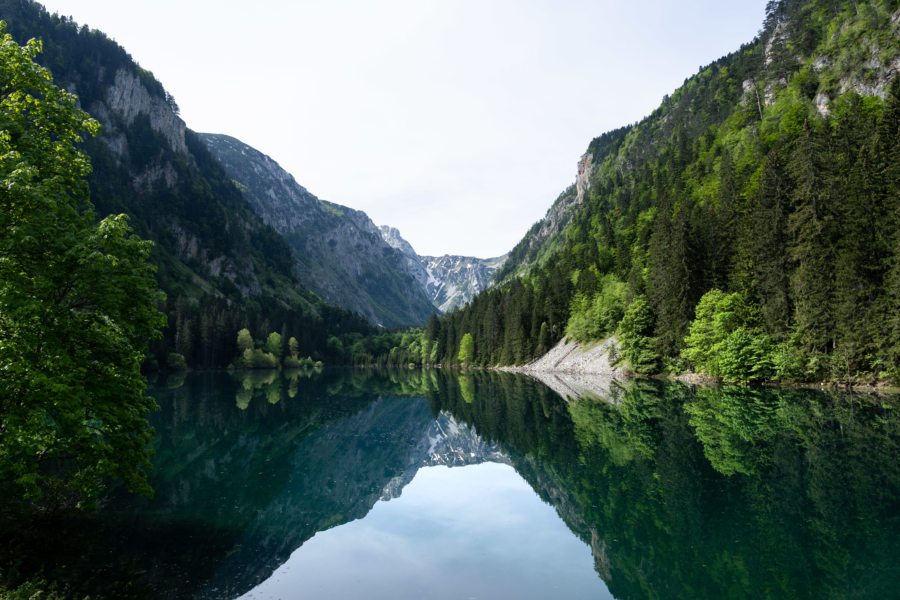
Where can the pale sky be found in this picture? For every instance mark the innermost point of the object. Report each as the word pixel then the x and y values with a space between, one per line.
pixel 457 121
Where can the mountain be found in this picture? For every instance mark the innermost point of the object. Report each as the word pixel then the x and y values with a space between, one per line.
pixel 338 251
pixel 758 201
pixel 342 255
pixel 548 235
pixel 455 280
pixel 149 164
pixel 449 281
pixel 221 265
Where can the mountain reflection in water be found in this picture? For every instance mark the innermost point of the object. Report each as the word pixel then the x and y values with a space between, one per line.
pixel 477 531
pixel 675 492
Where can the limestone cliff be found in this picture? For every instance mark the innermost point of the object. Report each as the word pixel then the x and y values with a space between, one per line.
pixel 337 251
pixel 546 235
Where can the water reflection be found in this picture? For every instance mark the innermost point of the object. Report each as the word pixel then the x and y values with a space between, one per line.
pixel 676 492
pixel 721 492
pixel 477 532
pixel 270 384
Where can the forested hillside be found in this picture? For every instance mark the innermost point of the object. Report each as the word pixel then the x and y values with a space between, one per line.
pixel 221 266
pixel 339 251
pixel 748 228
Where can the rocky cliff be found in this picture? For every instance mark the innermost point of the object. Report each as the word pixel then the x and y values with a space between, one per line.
pixel 449 281
pixel 148 164
pixel 338 252
pixel 454 280
pixel 546 235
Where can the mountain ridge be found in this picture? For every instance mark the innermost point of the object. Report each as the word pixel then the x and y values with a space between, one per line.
pixel 220 265
pixel 450 281
pixel 338 251
pixel 342 255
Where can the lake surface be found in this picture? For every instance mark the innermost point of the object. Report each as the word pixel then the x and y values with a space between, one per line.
pixel 442 484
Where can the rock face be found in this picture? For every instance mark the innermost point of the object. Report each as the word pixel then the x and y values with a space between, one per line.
pixel 271 191
pixel 454 280
pixel 129 98
pixel 148 164
pixel 449 281
pixel 339 253
pixel 544 235
pixel 571 357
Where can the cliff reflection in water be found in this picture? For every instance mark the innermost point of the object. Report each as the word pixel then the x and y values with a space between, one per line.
pixel 679 492
pixel 295 455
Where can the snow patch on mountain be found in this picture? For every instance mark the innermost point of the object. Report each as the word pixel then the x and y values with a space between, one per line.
pixel 449 281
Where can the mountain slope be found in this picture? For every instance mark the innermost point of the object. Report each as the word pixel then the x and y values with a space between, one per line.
pixel 338 251
pixel 771 176
pixel 449 281
pixel 222 267
pixel 455 280
pixel 547 235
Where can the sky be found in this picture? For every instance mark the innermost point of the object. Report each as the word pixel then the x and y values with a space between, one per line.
pixel 458 122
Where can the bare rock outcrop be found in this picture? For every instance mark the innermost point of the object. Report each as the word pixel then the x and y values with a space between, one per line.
pixel 576 371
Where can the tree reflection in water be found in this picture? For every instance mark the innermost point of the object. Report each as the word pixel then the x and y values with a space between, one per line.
pixel 680 492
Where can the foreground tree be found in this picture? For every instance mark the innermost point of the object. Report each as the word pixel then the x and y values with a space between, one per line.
pixel 77 303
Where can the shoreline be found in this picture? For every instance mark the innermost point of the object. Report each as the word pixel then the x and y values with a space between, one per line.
pixel 600 359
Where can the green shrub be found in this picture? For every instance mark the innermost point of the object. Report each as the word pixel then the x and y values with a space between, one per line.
pixel 176 362
pixel 724 341
pixel 634 336
pixel 596 317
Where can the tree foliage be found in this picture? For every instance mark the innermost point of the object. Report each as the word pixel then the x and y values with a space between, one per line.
pixel 77 302
pixel 765 175
pixel 466 350
pixel 635 336
pixel 725 341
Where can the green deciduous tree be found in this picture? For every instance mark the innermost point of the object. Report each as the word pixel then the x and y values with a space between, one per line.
pixel 596 317
pixel 273 345
pixel 466 350
pixel 724 340
pixel 77 302
pixel 244 340
pixel 635 335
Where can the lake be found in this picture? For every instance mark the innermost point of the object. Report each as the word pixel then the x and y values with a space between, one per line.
pixel 344 483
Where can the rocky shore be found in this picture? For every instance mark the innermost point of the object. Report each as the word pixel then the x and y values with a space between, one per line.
pixel 576 371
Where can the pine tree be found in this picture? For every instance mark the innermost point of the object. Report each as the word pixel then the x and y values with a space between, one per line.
pixel 670 279
pixel 887 148
pixel 761 269
pixel 543 344
pixel 812 241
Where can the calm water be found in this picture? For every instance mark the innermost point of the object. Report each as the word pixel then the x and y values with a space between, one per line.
pixel 436 484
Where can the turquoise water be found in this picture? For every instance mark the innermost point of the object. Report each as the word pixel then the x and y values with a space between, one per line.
pixel 441 484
